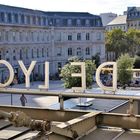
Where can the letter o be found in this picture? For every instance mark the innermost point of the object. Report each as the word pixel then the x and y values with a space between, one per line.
pixel 11 72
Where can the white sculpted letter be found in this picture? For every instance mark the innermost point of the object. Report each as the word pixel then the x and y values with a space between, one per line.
pixel 82 75
pixel 114 80
pixel 46 86
pixel 11 74
pixel 27 72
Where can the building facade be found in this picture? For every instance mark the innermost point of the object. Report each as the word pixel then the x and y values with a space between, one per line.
pixel 133 17
pixel 118 23
pixel 29 35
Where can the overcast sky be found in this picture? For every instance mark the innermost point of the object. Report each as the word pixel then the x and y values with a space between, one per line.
pixel 92 6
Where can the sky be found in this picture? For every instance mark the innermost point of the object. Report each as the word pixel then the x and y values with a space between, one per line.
pixel 91 6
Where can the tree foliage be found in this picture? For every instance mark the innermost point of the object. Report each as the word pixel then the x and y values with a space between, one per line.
pixel 137 62
pixel 116 42
pixel 122 42
pixel 68 69
pixel 125 63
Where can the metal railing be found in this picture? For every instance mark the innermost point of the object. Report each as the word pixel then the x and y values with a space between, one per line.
pixel 63 94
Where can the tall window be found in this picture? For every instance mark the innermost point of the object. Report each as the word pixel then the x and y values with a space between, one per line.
pixel 47 52
pixel 32 53
pixel 37 53
pixel 20 36
pixel 22 19
pixel 7 55
pixel 57 22
pixel 87 36
pixel 59 51
pixel 78 22
pixel 42 52
pixel 6 36
pixel 34 20
pixel 79 36
pixel 98 36
pixel 79 51
pixel 32 36
pixel 59 66
pixel 14 36
pixel 14 54
pixel 44 21
pixel 39 20
pixel 9 17
pixel 87 22
pixel 28 19
pixel 87 51
pixel 69 37
pixel 69 22
pixel 69 51
pixel 26 51
pixel 2 17
pixel 20 54
pixel 16 18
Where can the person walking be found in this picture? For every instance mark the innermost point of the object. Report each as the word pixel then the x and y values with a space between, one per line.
pixel 23 100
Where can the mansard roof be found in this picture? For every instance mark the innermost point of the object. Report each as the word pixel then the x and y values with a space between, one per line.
pixel 71 14
pixel 51 16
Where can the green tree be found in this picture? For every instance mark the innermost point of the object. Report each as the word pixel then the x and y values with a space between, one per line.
pixel 137 62
pixel 133 41
pixel 115 41
pixel 125 64
pixel 68 69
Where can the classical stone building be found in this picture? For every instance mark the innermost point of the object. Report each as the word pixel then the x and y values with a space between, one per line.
pixel 118 23
pixel 133 17
pixel 28 35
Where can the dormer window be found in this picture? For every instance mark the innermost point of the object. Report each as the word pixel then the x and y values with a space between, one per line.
pixel 9 17
pixel 2 17
pixel 22 19
pixel 87 22
pixel 39 21
pixel 57 21
pixel 69 22
pixel 16 18
pixel 78 22
pixel 28 19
